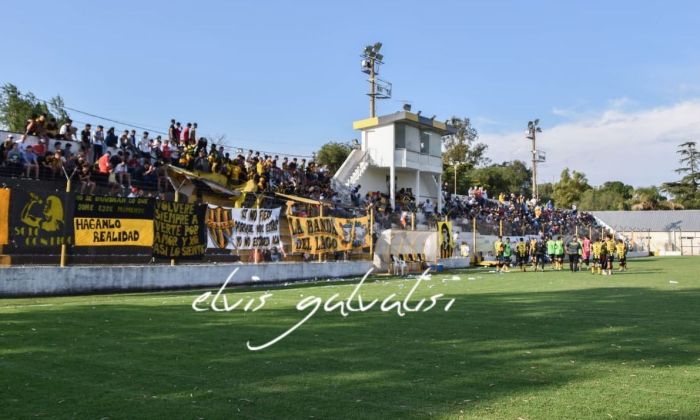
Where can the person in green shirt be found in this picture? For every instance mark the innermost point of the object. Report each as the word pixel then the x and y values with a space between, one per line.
pixel 507 253
pixel 550 251
pixel 559 252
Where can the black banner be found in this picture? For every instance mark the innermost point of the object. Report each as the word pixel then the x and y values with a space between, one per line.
pixel 40 218
pixel 179 230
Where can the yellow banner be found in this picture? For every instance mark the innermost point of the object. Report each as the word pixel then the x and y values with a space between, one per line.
pixel 4 215
pixel 91 231
pixel 354 233
pixel 316 235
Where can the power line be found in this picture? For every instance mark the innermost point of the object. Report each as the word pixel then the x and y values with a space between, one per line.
pixel 152 130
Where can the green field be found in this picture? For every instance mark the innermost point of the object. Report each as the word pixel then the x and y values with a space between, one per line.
pixel 531 346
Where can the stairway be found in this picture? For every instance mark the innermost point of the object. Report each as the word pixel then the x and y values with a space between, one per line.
pixel 349 173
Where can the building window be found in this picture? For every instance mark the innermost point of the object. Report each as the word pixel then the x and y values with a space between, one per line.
pixel 435 146
pixel 424 142
pixel 400 136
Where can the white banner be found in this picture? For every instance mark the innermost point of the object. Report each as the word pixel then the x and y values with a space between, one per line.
pixel 231 228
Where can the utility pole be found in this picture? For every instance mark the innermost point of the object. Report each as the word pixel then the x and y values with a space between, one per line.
pixel 532 129
pixel 372 90
pixel 378 89
pixel 456 165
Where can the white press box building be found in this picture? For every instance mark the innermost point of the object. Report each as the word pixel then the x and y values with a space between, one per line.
pixel 399 150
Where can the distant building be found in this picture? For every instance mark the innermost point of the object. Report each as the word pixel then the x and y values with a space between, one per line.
pixel 663 232
pixel 397 151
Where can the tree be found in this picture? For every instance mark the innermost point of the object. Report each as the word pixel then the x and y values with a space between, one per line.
pixel 333 154
pixel 507 177
pixel 599 199
pixel 649 198
pixel 545 191
pixel 569 189
pixel 16 108
pixel 461 148
pixel 612 195
pixel 685 191
pixel 461 153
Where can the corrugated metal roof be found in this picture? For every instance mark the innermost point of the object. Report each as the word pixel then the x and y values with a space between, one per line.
pixel 654 220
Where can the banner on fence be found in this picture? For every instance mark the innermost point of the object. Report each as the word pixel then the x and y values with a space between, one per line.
pixel 445 239
pixel 4 215
pixel 354 232
pixel 38 219
pixel 242 228
pixel 113 221
pixel 316 235
pixel 179 230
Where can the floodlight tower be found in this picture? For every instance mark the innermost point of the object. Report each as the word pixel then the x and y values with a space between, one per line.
pixel 533 127
pixel 378 89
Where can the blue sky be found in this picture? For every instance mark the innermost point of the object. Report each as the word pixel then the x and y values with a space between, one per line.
pixel 285 76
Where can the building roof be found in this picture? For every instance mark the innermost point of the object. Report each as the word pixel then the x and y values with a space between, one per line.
pixel 406 117
pixel 653 220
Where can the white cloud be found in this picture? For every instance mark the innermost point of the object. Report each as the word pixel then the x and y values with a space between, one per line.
pixel 637 147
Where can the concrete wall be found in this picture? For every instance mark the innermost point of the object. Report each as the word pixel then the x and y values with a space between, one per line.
pixel 379 142
pixel 453 263
pixel 32 280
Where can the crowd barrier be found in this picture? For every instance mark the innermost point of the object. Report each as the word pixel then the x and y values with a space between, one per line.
pixel 46 280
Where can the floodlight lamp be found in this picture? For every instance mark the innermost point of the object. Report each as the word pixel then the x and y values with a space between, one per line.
pixel 377 46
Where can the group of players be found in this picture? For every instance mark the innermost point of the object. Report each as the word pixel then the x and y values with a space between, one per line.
pixel 598 255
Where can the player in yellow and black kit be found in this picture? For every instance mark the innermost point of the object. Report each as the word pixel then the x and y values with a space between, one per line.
pixel 596 248
pixel 621 250
pixel 498 250
pixel 609 246
pixel 521 253
pixel 532 250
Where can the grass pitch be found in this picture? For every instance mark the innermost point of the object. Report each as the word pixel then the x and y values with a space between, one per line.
pixel 517 345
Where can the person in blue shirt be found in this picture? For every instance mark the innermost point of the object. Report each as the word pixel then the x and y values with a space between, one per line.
pixel 30 161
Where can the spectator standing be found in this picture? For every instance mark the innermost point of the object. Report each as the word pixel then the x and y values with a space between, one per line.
pixel 172 132
pixel 177 132
pixel 185 134
pixel 86 141
pixel 145 145
pixel 193 133
pixel 98 143
pixel 111 139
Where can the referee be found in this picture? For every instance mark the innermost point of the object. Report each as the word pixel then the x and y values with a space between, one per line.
pixel 573 248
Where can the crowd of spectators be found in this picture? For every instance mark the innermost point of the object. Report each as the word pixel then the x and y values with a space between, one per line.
pixel 128 164
pixel 518 215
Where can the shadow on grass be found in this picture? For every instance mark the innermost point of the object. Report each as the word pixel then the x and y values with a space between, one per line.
pixel 137 361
